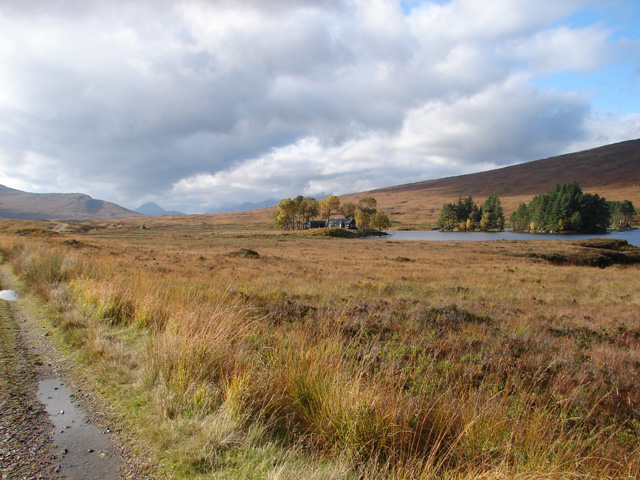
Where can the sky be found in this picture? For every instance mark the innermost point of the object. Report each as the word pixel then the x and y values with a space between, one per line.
pixel 201 105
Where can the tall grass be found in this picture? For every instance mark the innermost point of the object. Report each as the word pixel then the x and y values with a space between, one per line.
pixel 436 371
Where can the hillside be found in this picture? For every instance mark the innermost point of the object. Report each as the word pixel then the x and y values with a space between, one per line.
pixel 16 204
pixel 612 171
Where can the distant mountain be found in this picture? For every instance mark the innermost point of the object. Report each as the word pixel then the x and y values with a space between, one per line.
pixel 154 210
pixel 243 207
pixel 17 204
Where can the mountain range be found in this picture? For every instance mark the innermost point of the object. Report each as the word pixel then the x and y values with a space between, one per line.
pixel 246 206
pixel 16 204
pixel 612 171
pixel 154 210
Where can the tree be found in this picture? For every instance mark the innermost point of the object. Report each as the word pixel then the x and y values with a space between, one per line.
pixel 566 208
pixel 368 205
pixel 462 215
pixel 520 218
pixel 448 219
pixel 492 214
pixel 628 211
pixel 309 208
pixel 298 211
pixel 348 209
pixel 595 213
pixel 485 221
pixel 575 223
pixel 621 214
pixel 285 214
pixel 362 220
pixel 379 221
pixel 466 209
pixel 328 206
pixel 292 214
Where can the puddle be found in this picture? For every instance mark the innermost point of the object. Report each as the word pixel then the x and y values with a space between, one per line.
pixel 8 295
pixel 82 448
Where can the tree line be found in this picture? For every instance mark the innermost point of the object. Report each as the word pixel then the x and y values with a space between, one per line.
pixel 464 215
pixel 564 208
pixel 567 209
pixel 293 214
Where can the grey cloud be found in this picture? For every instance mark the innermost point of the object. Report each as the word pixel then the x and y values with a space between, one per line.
pixel 506 131
pixel 138 97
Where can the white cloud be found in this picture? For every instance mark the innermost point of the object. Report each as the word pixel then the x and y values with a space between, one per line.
pixel 504 123
pixel 561 49
pixel 196 103
pixel 607 127
pixel 32 165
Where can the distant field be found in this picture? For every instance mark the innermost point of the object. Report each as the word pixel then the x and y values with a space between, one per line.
pixel 244 352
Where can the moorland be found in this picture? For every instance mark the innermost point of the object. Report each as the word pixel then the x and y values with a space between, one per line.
pixel 229 349
pixel 610 171
pixel 235 352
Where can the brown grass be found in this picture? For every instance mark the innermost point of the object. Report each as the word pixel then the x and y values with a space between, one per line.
pixel 342 358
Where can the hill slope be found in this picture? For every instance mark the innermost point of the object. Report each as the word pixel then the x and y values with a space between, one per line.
pixel 612 171
pixel 16 204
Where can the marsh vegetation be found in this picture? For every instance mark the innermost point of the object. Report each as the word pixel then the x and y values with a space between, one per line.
pixel 319 357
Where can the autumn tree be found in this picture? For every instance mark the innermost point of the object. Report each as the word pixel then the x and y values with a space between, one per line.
pixel 348 209
pixel 461 215
pixel 362 220
pixel 328 206
pixel 292 214
pixel 379 221
pixel 309 208
pixel 368 205
pixel 466 209
pixel 285 215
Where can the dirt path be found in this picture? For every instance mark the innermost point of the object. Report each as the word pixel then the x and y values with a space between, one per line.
pixel 27 357
pixel 24 424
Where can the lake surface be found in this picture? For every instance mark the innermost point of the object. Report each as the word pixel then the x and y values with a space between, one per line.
pixel 631 236
pixel 8 295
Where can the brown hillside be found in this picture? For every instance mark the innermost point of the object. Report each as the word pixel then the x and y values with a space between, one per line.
pixel 612 171
pixel 16 204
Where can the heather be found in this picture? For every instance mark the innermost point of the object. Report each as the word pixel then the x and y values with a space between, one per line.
pixel 319 357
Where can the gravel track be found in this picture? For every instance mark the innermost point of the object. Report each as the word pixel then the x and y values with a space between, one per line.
pixel 27 356
pixel 24 425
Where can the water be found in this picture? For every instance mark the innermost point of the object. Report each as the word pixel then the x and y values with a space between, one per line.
pixel 631 236
pixel 82 448
pixel 8 295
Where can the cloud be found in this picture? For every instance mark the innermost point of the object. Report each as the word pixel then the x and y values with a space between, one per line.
pixel 195 104
pixel 504 123
pixel 561 49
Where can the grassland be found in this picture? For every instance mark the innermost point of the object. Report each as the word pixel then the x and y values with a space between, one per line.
pixel 323 358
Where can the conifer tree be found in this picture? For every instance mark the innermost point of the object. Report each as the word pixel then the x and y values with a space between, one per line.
pixel 492 214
